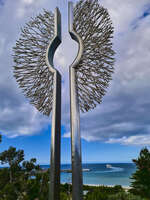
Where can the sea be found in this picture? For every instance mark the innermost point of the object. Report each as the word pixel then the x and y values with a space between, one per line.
pixel 101 173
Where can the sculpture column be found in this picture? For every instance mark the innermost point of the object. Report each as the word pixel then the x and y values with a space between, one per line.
pixel 75 118
pixel 56 112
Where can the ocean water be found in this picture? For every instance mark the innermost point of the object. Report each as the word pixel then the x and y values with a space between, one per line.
pixel 115 174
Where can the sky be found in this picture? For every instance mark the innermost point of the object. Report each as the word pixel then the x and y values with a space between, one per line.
pixel 117 129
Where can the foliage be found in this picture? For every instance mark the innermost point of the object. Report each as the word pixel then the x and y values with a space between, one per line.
pixel 63 196
pixel 110 193
pixel 124 196
pixel 22 180
pixel 101 192
pixel 13 158
pixel 96 194
pixel 141 178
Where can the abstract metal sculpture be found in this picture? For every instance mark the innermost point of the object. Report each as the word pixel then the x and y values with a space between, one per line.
pixel 90 26
pixel 40 82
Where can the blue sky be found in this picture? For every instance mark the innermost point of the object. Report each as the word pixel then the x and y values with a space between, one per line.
pixel 118 128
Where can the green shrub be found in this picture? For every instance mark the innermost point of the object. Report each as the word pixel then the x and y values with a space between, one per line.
pixel 63 196
pixel 96 195
pixel 124 196
pixel 141 178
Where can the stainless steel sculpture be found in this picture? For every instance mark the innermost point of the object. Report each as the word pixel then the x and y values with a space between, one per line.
pixel 90 26
pixel 90 73
pixel 40 82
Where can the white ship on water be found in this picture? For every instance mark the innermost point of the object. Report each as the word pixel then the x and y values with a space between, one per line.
pixel 108 166
pixel 70 171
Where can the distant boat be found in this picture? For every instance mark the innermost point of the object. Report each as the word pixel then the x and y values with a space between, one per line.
pixel 70 171
pixel 108 166
pixel 86 170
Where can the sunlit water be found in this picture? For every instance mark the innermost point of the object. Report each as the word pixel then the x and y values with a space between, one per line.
pixel 115 174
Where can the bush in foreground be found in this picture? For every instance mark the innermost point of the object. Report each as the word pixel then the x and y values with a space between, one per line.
pixel 141 178
pixel 124 196
pixel 97 194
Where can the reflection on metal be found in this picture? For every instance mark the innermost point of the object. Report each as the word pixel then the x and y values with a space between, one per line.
pixel 75 117
pixel 90 26
pixel 41 83
pixel 56 112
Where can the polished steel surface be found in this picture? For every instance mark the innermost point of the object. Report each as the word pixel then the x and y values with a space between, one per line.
pixel 56 113
pixel 55 140
pixel 77 183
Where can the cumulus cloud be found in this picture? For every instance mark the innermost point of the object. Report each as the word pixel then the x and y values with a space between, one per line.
pixel 124 112
pixel 125 109
pixel 126 13
pixel 139 140
pixel 28 1
pixel 123 116
pixel 17 116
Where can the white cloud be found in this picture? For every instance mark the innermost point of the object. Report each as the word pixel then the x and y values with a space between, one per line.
pixel 20 12
pixel 22 120
pixel 28 1
pixel 124 112
pixel 132 140
pixel 17 117
pixel 124 14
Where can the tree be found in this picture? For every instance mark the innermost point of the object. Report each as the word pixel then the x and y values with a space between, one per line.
pixel 13 158
pixel 0 138
pixel 30 167
pixel 141 178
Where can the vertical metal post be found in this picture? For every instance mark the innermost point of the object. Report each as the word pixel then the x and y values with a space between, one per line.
pixel 75 140
pixel 56 112
pixel 55 140
pixel 77 190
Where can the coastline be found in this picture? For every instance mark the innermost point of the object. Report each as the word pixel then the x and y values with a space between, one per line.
pixel 99 185
pixel 99 174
